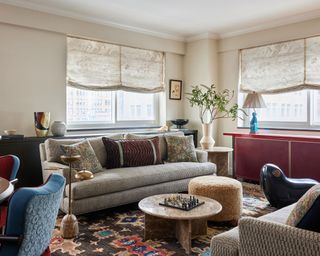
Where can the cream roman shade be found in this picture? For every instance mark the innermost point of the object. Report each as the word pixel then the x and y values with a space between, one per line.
pixel 281 67
pixel 93 65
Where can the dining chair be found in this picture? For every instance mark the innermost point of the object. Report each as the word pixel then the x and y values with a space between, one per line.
pixel 9 166
pixel 32 214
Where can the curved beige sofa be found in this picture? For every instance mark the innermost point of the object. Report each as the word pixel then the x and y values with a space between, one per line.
pixel 114 187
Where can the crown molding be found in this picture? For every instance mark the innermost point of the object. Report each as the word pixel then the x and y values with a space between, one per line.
pixel 176 37
pixel 207 35
pixel 277 23
pixel 73 15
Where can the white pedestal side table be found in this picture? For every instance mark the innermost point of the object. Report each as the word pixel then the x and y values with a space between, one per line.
pixel 221 157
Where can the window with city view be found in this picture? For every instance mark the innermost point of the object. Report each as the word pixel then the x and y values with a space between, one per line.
pixel 286 74
pixel 103 108
pixel 300 109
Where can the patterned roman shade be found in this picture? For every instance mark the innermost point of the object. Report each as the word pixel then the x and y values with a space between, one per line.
pixel 281 67
pixel 96 65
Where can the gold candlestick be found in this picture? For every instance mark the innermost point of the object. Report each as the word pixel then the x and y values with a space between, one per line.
pixel 69 224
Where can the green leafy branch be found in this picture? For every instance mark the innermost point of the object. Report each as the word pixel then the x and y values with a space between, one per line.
pixel 213 102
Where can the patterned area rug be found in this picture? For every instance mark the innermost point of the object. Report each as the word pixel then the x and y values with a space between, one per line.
pixel 119 231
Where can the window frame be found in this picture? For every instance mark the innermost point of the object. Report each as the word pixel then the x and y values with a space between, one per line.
pixel 101 125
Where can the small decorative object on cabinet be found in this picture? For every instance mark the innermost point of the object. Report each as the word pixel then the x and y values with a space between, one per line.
pixel 175 89
pixel 42 123
pixel 10 132
pixel 254 100
pixel 180 122
pixel 58 128
pixel 69 223
pixel 213 105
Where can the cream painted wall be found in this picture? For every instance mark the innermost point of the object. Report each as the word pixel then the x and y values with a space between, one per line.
pixel 32 76
pixel 33 64
pixel 34 19
pixel 229 59
pixel 200 67
pixel 174 70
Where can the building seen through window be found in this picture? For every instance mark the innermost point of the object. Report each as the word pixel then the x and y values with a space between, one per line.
pixel 85 106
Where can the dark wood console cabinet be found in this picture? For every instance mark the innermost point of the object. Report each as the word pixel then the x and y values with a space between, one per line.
pixel 27 149
pixel 297 155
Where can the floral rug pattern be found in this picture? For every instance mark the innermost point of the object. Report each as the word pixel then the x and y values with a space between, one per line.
pixel 119 232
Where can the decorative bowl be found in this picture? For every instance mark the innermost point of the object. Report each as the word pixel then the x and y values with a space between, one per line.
pixel 84 175
pixel 180 122
pixel 10 132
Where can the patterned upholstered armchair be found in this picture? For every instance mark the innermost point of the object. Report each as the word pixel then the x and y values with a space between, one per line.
pixel 31 218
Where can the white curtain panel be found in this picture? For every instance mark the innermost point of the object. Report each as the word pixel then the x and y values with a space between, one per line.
pixel 96 65
pixel 281 67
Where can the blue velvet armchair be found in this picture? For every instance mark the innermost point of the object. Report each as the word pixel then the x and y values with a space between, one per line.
pixel 31 218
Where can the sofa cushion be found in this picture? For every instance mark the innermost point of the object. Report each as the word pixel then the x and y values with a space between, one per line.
pixel 306 213
pixel 181 149
pixel 119 179
pixel 54 151
pixel 88 160
pixel 162 141
pixel 130 153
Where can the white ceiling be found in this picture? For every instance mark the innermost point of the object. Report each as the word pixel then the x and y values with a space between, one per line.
pixel 182 19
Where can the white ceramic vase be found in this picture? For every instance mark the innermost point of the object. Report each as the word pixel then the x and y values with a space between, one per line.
pixel 58 128
pixel 207 142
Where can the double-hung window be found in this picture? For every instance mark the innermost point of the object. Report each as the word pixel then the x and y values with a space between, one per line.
pixel 287 75
pixel 112 86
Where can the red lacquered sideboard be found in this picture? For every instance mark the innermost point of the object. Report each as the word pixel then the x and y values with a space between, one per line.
pixel 297 155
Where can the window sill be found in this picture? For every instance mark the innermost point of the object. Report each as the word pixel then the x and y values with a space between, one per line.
pixel 113 128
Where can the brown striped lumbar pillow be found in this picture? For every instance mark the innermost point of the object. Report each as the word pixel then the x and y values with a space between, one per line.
pixel 130 153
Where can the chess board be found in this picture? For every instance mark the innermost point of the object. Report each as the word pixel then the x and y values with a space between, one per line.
pixel 181 202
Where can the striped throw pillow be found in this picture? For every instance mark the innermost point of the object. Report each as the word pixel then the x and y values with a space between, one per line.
pixel 130 153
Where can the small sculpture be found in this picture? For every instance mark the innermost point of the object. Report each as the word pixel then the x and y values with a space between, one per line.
pixel 254 123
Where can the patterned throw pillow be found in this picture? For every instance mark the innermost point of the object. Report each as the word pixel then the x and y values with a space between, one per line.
pixel 88 161
pixel 181 149
pixel 306 213
pixel 130 153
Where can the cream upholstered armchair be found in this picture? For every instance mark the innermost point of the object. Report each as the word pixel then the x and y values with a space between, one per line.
pixel 259 237
pixel 266 236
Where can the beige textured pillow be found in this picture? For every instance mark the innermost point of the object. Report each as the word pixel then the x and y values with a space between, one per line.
pixel 181 149
pixel 54 151
pixel 53 148
pixel 88 161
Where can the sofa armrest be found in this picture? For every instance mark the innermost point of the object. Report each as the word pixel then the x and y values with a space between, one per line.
pixel 54 167
pixel 258 237
pixel 202 156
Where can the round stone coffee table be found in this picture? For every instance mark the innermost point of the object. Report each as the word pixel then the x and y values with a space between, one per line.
pixel 164 222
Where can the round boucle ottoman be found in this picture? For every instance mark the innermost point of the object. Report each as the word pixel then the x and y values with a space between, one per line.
pixel 227 191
